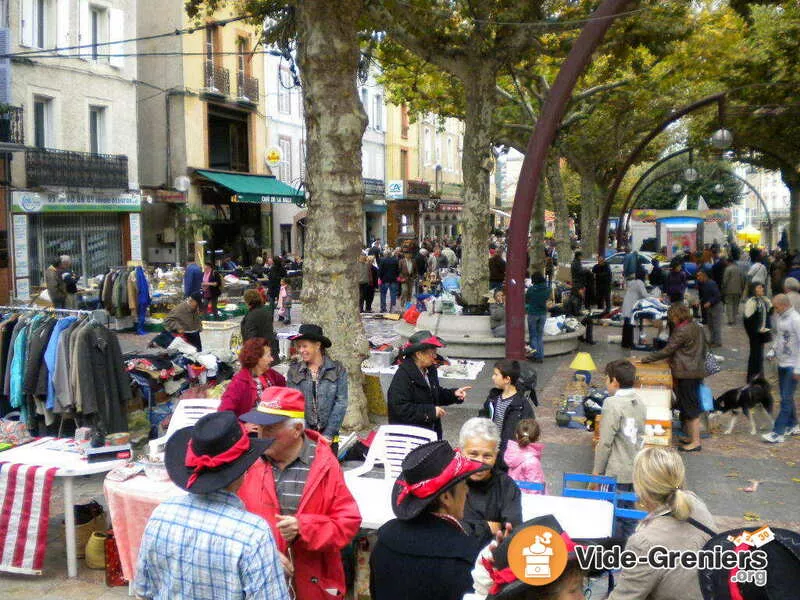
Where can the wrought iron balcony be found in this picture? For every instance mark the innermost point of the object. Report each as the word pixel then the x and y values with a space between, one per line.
pixel 11 129
pixel 248 88
pixel 217 79
pixel 75 169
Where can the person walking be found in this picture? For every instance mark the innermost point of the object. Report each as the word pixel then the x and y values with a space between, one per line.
pixel 732 288
pixel 676 282
pixel 536 297
pixel 212 289
pixel 711 303
pixel 602 282
pixel 388 271
pixel 56 286
pixel 364 276
pixel 192 278
pixel 757 327
pixel 786 350
pixel 407 279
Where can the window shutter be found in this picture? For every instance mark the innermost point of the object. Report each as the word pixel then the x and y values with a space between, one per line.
pixel 26 23
pixel 85 23
pixel 62 25
pixel 5 66
pixel 116 28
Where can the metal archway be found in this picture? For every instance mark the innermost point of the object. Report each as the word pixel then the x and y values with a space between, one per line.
pixel 627 215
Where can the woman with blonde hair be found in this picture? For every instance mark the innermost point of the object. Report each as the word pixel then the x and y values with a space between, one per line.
pixel 676 520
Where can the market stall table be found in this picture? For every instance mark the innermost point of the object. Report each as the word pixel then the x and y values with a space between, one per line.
pixel 580 518
pixel 131 503
pixel 70 465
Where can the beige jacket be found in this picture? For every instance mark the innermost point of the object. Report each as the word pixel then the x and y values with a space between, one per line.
pixel 660 529
pixel 621 435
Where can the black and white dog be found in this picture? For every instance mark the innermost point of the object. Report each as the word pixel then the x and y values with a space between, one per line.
pixel 747 398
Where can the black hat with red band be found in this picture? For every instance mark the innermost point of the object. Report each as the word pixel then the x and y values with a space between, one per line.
pixel 211 454
pixel 429 471
pixel 421 340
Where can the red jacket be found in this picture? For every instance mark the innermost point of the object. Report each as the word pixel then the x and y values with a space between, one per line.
pixel 241 395
pixel 328 519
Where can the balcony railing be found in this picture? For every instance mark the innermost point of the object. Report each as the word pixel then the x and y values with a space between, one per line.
pixel 218 80
pixel 75 169
pixel 248 88
pixel 11 129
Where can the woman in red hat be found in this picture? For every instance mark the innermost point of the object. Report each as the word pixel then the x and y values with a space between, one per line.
pixel 425 552
pixel 415 396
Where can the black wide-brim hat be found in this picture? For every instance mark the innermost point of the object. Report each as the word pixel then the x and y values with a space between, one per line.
pixel 429 471
pixel 517 588
pixel 212 435
pixel 782 570
pixel 421 340
pixel 309 331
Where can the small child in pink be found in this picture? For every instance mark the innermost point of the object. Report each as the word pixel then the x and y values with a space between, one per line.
pixel 524 455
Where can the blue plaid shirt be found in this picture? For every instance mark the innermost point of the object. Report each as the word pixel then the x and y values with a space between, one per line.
pixel 206 546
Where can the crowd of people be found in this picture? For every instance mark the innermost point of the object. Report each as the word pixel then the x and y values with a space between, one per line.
pixel 268 511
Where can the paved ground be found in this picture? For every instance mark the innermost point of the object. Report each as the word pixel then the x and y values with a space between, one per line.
pixel 718 474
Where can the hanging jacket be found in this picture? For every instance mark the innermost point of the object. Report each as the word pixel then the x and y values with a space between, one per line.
pixel 35 367
pixel 327 515
pixel 51 357
pixel 525 464
pixel 62 389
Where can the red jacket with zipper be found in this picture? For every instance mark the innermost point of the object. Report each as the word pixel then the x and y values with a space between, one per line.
pixel 328 520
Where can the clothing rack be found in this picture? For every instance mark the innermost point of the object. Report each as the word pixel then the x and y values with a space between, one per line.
pixel 47 309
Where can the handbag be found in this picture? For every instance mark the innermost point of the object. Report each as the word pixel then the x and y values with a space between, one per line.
pixel 712 366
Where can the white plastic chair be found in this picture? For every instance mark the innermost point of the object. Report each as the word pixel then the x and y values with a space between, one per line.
pixel 187 412
pixel 391 445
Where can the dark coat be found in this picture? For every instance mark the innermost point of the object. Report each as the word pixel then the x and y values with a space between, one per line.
pixel 497 267
pixel 259 323
pixel 35 369
pixel 495 499
pixel 422 264
pixel 602 277
pixel 389 269
pixel 426 557
pixel 520 408
pixel 214 291
pixel 104 385
pixel 412 402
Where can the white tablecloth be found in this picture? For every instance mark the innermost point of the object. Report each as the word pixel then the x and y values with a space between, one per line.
pixel 580 518
pixel 459 369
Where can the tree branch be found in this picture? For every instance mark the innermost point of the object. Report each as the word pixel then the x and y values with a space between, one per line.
pixel 598 89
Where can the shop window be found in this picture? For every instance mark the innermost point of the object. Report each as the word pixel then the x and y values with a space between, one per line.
pixel 94 241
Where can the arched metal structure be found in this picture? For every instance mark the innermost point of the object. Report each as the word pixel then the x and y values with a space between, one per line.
pixel 627 216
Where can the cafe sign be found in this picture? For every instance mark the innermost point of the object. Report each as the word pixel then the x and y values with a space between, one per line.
pixel 48 202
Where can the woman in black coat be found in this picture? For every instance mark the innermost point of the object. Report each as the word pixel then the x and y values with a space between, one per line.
pixel 415 397
pixel 425 552
pixel 258 322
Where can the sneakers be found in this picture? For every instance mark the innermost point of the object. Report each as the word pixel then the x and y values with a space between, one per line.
pixel 773 438
pixel 793 430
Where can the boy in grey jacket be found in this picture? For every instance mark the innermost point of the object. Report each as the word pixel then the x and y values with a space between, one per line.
pixel 621 430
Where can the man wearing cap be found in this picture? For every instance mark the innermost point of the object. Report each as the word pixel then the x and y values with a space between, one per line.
pixel 425 552
pixel 205 545
pixel 185 320
pixel 299 488
pixel 415 397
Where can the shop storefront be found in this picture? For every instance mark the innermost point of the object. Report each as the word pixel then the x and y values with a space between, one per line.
pixel 98 231
pixel 442 213
pixel 374 210
pixel 404 209
pixel 240 207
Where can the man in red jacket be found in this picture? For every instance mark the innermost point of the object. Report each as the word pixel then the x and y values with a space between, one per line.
pixel 299 488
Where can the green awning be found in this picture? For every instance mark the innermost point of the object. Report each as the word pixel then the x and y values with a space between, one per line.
pixel 255 188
